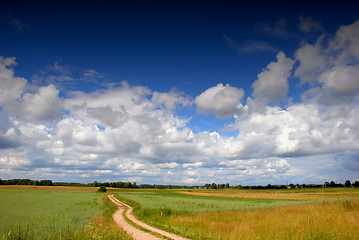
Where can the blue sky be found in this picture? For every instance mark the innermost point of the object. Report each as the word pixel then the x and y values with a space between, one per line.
pixel 179 92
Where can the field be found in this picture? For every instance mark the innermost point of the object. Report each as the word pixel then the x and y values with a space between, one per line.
pixel 29 212
pixel 250 214
pixel 55 213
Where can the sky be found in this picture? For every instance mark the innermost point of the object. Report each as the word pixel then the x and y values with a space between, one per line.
pixel 179 92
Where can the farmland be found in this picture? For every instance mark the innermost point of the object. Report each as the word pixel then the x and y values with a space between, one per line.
pixel 248 214
pixel 29 212
pixel 54 213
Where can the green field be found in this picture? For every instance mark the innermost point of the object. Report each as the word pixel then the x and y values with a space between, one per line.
pixel 56 214
pixel 235 214
pixel 183 203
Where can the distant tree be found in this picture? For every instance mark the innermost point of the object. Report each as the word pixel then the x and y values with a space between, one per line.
pixel 332 184
pixel 227 185
pixel 347 183
pixel 46 183
pixel 95 184
pixel 356 184
pixel 214 186
pixel 128 185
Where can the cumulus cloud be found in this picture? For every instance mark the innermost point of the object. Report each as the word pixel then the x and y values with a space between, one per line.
pixel 43 105
pixel 124 132
pixel 15 97
pixel 343 80
pixel 171 99
pixel 222 100
pixel 272 83
pixel 11 87
pixel 332 65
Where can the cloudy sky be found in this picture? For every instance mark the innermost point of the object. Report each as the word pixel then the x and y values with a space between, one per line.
pixel 179 92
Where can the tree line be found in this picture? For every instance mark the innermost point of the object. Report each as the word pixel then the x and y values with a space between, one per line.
pixel 134 185
pixel 26 182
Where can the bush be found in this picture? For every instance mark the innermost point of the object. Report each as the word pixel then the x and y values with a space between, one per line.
pixel 102 189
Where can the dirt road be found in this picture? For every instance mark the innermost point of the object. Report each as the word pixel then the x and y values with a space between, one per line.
pixel 137 234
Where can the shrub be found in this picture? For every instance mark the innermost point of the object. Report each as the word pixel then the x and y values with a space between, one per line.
pixel 102 189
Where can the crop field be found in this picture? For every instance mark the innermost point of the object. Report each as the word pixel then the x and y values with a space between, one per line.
pixel 55 213
pixel 250 214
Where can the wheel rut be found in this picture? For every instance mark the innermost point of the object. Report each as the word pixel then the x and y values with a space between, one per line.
pixel 136 233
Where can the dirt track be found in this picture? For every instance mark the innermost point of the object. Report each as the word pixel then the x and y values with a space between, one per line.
pixel 137 234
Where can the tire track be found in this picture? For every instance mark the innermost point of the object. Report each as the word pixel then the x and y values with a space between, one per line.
pixel 138 234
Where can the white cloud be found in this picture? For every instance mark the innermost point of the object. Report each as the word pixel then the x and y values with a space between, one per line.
pixel 11 87
pixel 130 132
pixel 171 99
pixel 333 62
pixel 44 105
pixel 272 83
pixel 222 100
pixel 342 80
pixel 14 97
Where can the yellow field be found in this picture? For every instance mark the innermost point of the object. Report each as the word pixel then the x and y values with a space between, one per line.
pixel 292 194
pixel 313 221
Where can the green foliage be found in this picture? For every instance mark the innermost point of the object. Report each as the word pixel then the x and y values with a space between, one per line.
pixel 102 189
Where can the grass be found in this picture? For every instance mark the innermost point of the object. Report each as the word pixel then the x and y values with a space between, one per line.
pixel 310 221
pixel 237 214
pixel 49 214
pixel 179 202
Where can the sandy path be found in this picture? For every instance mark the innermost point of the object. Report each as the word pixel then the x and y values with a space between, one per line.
pixel 136 233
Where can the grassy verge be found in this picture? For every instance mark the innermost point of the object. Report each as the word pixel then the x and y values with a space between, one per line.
pixel 104 227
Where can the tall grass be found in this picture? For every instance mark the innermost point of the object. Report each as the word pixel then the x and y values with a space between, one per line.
pixel 104 227
pixel 310 221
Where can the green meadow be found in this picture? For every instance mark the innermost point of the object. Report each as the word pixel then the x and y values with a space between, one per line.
pixel 56 214
pixel 184 203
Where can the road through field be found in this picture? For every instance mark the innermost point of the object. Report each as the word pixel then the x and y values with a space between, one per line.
pixel 137 234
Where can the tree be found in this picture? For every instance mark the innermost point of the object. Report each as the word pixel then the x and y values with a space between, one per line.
pixel 95 184
pixel 348 183
pixel 356 184
pixel 46 183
